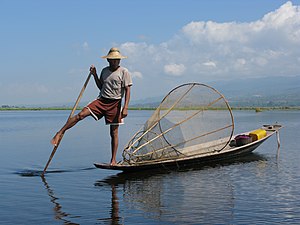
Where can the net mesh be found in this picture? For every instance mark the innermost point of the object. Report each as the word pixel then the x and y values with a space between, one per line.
pixel 190 116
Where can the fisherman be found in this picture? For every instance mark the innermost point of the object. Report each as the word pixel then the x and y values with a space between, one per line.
pixel 114 83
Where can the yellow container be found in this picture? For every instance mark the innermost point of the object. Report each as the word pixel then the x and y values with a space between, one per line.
pixel 258 134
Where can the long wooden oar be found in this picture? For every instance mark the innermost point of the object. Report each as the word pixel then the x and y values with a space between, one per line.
pixel 70 116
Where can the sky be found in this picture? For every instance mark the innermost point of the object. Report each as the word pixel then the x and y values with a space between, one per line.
pixel 47 47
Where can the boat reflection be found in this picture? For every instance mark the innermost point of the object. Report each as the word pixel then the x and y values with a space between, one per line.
pixel 164 194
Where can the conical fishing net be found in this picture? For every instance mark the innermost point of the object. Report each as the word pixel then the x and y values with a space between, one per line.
pixel 191 119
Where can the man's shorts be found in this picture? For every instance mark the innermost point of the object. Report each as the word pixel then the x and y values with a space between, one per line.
pixel 109 108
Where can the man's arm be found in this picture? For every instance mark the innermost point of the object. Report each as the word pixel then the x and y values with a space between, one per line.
pixel 96 78
pixel 126 102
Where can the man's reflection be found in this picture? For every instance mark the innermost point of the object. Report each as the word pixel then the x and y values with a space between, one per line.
pixel 115 219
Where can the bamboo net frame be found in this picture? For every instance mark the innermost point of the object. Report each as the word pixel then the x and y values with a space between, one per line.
pixel 151 141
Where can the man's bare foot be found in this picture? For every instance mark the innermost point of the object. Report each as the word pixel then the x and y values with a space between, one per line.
pixel 56 139
pixel 113 163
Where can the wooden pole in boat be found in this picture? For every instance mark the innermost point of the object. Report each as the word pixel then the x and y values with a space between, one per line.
pixel 70 116
pixel 278 144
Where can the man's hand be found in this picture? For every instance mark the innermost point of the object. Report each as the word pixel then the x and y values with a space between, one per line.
pixel 93 70
pixel 124 112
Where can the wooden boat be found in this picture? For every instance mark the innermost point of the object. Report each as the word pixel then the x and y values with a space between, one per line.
pixel 192 125
pixel 200 154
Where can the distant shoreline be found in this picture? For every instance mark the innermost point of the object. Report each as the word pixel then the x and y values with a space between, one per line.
pixel 257 109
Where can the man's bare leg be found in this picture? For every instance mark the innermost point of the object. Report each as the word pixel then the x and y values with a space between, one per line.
pixel 114 130
pixel 70 123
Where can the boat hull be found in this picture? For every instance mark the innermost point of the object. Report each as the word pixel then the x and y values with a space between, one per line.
pixel 186 162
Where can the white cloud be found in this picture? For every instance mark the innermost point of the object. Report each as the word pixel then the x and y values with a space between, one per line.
pixel 137 74
pixel 81 48
pixel 85 46
pixel 279 18
pixel 174 69
pixel 207 50
pixel 210 64
pixel 212 32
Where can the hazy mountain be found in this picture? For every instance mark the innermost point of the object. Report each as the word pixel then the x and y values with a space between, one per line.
pixel 274 91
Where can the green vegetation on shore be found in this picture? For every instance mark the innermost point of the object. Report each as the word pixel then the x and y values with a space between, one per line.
pixel 257 109
pixel 34 108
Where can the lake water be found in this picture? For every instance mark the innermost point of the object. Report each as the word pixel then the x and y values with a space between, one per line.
pixel 256 189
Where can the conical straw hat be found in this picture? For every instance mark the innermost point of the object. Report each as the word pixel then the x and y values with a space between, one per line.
pixel 114 53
